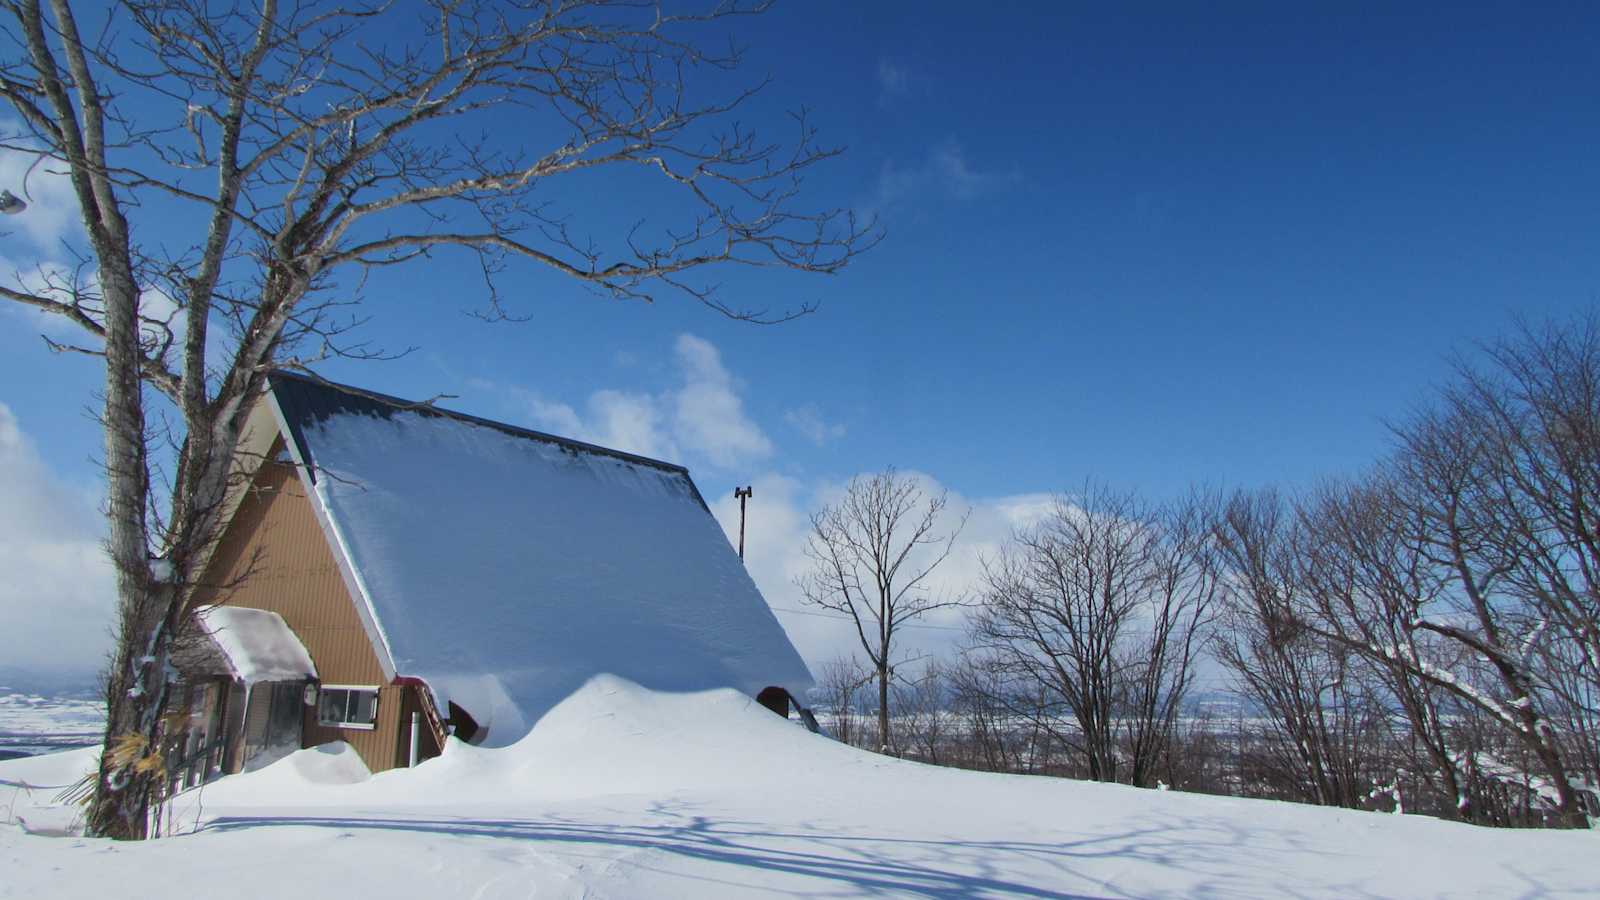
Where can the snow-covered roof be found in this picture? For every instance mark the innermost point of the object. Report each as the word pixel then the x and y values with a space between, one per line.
pixel 258 645
pixel 507 567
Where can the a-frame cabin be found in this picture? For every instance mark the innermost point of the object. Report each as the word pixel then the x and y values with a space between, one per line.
pixel 420 572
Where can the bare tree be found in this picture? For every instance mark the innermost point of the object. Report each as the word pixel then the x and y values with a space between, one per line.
pixel 1366 575
pixel 1536 407
pixel 231 162
pixel 1178 609
pixel 1483 638
pixel 1423 571
pixel 993 738
pixel 1321 721
pixel 1453 582
pixel 1098 612
pixel 872 555
pixel 840 681
pixel 1451 592
pixel 1491 493
pixel 922 708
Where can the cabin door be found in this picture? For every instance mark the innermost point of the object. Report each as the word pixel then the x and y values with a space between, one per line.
pixel 276 716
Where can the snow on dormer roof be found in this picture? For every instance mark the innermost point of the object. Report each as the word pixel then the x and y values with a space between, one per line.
pixel 507 567
pixel 257 644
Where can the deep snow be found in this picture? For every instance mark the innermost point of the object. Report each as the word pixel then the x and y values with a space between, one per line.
pixel 623 792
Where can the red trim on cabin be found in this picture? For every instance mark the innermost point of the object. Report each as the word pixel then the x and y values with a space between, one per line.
pixel 425 696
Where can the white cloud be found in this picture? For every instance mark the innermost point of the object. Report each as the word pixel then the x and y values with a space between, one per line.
pixel 808 421
pixel 52 212
pixel 710 418
pixel 632 422
pixel 702 417
pixel 894 80
pixel 778 520
pixel 945 171
pixel 57 596
pixel 556 418
pixel 43 278
pixel 59 282
pixel 163 316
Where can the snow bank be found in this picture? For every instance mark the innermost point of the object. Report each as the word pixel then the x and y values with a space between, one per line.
pixel 614 737
pixel 51 770
pixel 259 645
pixel 30 788
pixel 623 792
pixel 300 772
pixel 507 570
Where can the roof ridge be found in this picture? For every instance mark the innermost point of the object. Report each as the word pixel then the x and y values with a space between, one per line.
pixel 427 407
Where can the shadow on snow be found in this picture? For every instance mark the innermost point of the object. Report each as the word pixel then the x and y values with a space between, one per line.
pixel 1214 849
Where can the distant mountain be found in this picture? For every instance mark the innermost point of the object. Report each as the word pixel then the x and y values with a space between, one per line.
pixel 64 685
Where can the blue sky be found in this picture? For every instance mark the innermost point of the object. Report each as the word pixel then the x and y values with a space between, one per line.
pixel 1156 245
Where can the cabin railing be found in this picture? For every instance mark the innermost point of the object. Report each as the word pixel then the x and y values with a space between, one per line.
pixel 192 767
pixel 429 712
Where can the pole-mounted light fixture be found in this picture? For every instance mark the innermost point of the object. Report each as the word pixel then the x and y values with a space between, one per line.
pixel 743 493
pixel 11 204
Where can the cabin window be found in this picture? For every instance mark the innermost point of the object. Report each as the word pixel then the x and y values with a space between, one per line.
pixel 346 706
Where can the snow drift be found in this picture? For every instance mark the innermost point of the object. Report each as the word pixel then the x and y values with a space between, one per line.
pixel 624 792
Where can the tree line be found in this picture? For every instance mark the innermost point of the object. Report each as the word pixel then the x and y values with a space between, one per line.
pixel 1423 636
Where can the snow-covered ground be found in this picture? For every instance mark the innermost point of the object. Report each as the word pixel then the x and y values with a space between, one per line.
pixel 622 792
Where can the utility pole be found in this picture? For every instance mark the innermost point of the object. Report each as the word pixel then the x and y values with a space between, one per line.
pixel 743 493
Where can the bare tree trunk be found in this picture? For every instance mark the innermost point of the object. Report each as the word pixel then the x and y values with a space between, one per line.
pixel 138 678
pixel 884 742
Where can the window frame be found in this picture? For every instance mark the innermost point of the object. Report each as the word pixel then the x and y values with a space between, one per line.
pixel 372 689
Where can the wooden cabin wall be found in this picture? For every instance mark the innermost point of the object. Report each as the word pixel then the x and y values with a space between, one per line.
pixel 275 556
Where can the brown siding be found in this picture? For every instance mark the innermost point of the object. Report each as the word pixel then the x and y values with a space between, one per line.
pixel 275 556
pixel 376 745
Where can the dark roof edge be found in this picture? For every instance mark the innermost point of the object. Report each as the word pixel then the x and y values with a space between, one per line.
pixel 402 405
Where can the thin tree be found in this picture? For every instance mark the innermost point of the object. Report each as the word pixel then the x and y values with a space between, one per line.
pixel 1537 404
pixel 840 681
pixel 1308 687
pixel 1179 608
pixel 922 702
pixel 1096 614
pixel 872 555
pixel 996 739
pixel 1461 567
pixel 1511 566
pixel 1369 575
pixel 230 162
